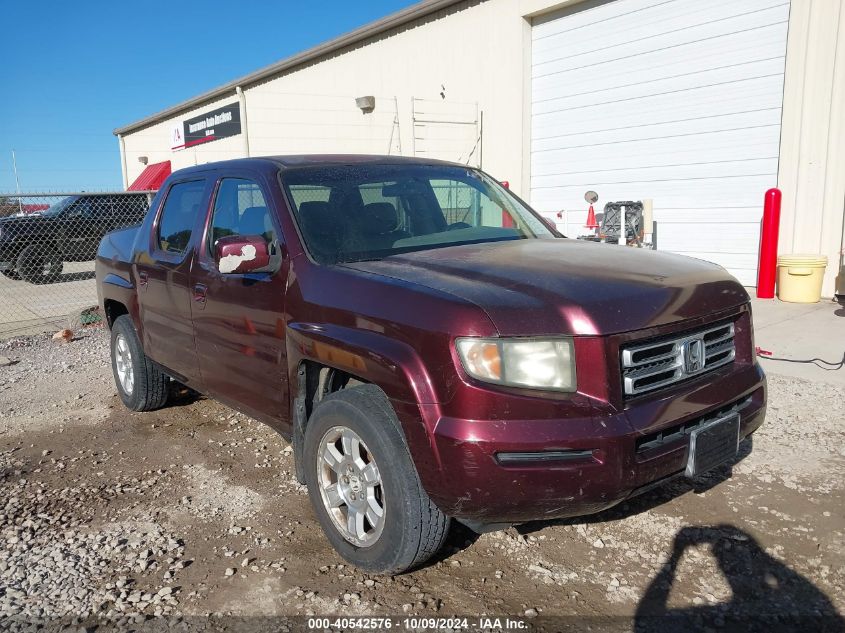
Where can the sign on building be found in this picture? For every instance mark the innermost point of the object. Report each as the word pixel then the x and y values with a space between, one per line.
pixel 177 136
pixel 211 126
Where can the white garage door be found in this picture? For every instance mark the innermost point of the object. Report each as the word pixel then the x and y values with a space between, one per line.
pixel 678 101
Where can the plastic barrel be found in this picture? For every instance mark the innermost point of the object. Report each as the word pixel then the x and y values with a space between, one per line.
pixel 800 278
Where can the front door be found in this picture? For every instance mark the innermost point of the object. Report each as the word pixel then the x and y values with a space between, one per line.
pixel 239 318
pixel 76 229
pixel 163 279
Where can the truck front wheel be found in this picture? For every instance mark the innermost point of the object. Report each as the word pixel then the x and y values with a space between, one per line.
pixel 364 487
pixel 141 385
pixel 39 264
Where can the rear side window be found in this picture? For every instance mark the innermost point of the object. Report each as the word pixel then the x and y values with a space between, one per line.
pixel 81 208
pixel 101 207
pixel 127 209
pixel 178 216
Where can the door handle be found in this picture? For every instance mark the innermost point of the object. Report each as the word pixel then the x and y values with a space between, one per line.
pixel 200 291
pixel 143 277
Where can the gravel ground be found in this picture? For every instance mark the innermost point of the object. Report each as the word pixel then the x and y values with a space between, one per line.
pixel 192 514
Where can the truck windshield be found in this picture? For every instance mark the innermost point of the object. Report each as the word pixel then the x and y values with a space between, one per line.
pixel 352 213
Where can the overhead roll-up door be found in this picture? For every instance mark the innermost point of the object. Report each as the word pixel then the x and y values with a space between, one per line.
pixel 678 101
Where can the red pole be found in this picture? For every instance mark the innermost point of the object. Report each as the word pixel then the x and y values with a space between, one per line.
pixel 767 268
pixel 507 220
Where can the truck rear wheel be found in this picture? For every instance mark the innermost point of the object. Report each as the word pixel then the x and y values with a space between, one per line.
pixel 364 487
pixel 39 264
pixel 141 385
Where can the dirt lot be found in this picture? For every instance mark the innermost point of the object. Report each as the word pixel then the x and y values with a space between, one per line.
pixel 28 308
pixel 193 512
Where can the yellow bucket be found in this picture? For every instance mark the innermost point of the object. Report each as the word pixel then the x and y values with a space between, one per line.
pixel 800 278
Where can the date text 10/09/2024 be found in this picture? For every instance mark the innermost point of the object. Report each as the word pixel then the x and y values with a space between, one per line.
pixel 416 623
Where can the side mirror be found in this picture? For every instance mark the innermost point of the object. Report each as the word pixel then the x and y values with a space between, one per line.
pixel 238 254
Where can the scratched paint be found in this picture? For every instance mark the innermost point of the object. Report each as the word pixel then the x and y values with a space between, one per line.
pixel 230 263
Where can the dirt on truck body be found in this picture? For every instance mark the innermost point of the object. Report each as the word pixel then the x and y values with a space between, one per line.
pixel 433 350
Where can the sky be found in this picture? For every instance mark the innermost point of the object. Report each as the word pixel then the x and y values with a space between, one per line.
pixel 72 72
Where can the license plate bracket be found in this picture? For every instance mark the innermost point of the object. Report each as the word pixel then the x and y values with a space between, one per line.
pixel 712 444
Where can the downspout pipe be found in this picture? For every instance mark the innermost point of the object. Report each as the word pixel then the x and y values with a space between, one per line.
pixel 122 144
pixel 244 125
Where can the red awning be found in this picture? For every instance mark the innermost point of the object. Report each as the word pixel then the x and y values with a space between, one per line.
pixel 152 177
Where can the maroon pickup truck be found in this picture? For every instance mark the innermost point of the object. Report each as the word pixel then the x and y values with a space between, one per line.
pixel 430 346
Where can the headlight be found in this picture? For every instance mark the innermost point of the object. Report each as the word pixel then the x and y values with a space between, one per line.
pixel 533 363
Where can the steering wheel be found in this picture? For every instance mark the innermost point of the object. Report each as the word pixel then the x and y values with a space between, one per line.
pixel 458 225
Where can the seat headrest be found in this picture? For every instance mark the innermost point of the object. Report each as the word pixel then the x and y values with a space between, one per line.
pixel 254 221
pixel 318 218
pixel 378 218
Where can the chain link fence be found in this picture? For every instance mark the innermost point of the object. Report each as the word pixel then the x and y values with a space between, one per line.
pixel 48 242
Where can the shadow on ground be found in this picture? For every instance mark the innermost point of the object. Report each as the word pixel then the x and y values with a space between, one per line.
pixel 54 279
pixel 766 594
pixel 67 277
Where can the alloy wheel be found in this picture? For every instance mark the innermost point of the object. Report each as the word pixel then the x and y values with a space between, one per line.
pixel 123 364
pixel 351 486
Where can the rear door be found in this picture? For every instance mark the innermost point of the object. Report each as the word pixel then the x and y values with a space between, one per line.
pixel 163 277
pixel 239 318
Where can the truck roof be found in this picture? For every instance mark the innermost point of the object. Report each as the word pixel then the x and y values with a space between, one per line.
pixel 316 160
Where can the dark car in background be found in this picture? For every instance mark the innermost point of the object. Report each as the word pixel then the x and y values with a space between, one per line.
pixel 35 246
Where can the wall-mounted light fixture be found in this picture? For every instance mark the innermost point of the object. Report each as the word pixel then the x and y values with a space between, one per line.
pixel 366 104
pixel 143 160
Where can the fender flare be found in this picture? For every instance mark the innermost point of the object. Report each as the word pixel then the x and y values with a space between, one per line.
pixel 370 356
pixel 117 288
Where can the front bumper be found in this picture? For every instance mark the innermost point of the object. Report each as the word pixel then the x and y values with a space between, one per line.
pixel 602 458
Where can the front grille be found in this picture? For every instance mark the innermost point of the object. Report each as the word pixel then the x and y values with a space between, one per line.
pixel 661 363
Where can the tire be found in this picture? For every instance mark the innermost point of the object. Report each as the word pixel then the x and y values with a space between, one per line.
pixel 39 264
pixel 411 528
pixel 146 386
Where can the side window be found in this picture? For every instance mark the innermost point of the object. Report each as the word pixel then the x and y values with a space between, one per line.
pixel 178 216
pixel 464 204
pixel 81 208
pixel 240 209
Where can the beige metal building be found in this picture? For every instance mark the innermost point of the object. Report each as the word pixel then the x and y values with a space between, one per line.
pixel 699 106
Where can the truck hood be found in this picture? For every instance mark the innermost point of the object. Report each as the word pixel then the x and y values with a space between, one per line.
pixel 565 286
pixel 25 223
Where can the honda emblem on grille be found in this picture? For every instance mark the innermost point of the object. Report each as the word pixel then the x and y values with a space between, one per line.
pixel 693 355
